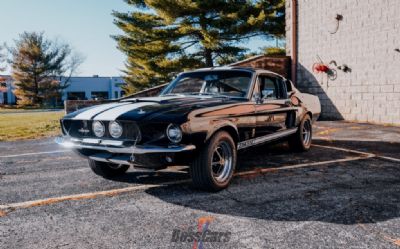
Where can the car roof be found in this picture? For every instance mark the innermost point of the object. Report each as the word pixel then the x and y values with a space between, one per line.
pixel 249 69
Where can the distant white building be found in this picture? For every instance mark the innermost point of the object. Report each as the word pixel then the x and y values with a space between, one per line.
pixel 6 90
pixel 79 88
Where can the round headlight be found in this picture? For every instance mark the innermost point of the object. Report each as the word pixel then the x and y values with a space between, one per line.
pixel 174 133
pixel 98 128
pixel 115 129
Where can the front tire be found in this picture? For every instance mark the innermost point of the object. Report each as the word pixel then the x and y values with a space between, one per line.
pixel 301 140
pixel 107 169
pixel 214 165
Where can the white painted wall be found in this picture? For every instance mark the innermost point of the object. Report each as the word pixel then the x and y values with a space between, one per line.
pixel 366 41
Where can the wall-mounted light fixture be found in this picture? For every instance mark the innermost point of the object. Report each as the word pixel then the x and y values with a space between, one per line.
pixel 338 19
pixel 343 67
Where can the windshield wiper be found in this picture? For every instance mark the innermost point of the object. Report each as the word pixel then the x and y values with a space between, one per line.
pixel 173 94
pixel 217 95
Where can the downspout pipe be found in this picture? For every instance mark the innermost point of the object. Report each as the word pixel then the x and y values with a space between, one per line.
pixel 294 43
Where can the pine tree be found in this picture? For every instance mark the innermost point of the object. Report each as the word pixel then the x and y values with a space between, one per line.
pixel 37 64
pixel 163 37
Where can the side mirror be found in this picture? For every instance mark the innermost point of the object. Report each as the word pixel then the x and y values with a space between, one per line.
pixel 268 94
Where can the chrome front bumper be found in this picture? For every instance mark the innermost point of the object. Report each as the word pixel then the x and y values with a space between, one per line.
pixel 117 146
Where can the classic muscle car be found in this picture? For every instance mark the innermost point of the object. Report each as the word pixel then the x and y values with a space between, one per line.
pixel 201 119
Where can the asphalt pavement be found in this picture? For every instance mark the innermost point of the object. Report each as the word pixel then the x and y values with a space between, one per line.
pixel 343 193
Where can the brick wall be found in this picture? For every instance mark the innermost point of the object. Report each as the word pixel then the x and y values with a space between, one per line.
pixel 366 40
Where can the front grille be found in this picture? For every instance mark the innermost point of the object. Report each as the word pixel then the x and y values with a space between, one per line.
pixel 154 133
pixel 83 129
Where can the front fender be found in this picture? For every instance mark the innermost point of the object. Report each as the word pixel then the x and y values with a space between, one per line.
pixel 227 125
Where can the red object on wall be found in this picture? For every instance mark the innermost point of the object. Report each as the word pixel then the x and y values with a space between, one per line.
pixel 320 68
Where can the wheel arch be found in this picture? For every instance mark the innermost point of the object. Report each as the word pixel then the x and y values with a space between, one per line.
pixel 302 115
pixel 309 114
pixel 230 128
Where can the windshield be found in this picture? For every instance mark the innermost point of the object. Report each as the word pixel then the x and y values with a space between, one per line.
pixel 224 83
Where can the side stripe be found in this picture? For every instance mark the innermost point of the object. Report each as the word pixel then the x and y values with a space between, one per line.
pixel 266 138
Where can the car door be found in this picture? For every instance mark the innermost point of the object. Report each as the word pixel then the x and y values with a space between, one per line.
pixel 273 105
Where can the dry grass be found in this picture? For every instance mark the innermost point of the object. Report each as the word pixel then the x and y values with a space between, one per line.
pixel 18 126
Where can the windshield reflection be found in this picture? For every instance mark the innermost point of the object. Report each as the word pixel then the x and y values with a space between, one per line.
pixel 227 83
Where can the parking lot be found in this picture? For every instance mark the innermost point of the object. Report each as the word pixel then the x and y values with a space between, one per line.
pixel 344 192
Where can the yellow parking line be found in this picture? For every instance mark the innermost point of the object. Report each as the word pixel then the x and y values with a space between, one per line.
pixel 389 158
pixel 35 153
pixel 4 209
pixel 344 149
pixel 327 131
pixel 302 165
pixel 359 152
pixel 90 195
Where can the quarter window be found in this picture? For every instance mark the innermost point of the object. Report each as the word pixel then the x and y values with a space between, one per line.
pixel 272 88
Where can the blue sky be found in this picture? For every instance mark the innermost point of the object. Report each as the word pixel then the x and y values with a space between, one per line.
pixel 86 25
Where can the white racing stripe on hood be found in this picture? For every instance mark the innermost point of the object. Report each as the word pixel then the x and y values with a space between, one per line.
pixel 114 113
pixel 87 115
pixel 163 98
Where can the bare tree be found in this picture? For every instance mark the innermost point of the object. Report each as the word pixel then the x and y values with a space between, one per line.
pixel 2 58
pixel 37 64
pixel 73 63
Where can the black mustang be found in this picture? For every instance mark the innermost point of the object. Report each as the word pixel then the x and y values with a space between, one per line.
pixel 201 119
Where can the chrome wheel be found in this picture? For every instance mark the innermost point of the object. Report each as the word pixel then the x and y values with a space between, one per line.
pixel 222 161
pixel 306 132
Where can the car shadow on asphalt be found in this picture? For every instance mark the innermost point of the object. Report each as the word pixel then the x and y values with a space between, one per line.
pixel 359 191
pixel 266 156
pixel 246 160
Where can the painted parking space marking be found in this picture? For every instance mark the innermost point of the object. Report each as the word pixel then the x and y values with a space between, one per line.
pixel 302 165
pixel 6 208
pixel 35 153
pixel 388 158
pixel 91 195
pixel 344 149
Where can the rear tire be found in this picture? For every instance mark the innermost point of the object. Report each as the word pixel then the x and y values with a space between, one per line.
pixel 107 169
pixel 301 140
pixel 214 165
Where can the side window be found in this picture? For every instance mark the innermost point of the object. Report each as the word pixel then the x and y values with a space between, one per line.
pixel 268 88
pixel 272 88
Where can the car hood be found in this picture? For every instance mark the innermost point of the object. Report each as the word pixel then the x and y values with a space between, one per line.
pixel 160 109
